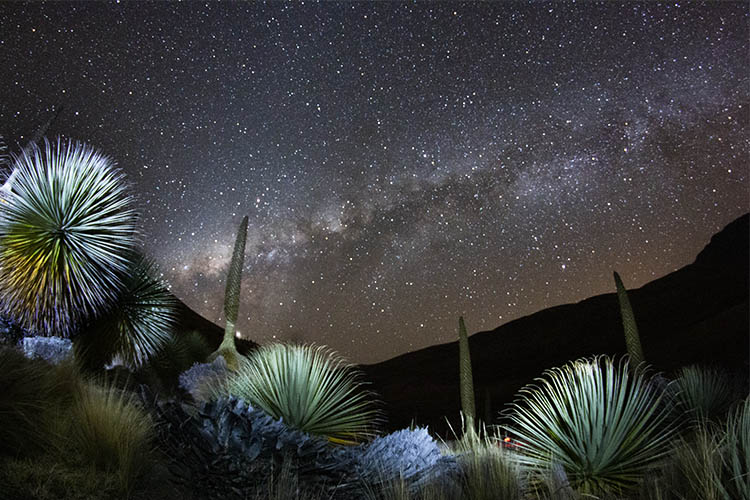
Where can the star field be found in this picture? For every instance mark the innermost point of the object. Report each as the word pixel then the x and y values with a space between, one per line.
pixel 401 163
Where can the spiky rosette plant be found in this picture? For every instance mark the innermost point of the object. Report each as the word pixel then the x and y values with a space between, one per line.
pixel 66 229
pixel 310 388
pixel 703 392
pixel 605 423
pixel 139 324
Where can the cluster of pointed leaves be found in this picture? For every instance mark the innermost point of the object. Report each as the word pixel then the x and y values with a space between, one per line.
pixel 66 229
pixel 310 387
pixel 605 423
pixel 703 392
pixel 140 324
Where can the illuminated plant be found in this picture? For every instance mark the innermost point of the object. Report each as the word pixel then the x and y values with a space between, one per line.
pixel 227 348
pixel 606 424
pixel 66 228
pixel 310 387
pixel 139 324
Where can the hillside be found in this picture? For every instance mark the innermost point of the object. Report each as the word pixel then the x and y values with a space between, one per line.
pixel 697 314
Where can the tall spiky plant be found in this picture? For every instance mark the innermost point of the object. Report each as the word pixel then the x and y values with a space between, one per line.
pixel 632 337
pixel 466 377
pixel 66 229
pixel 227 348
pixel 139 324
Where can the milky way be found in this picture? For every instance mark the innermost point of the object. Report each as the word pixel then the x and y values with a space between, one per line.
pixel 401 164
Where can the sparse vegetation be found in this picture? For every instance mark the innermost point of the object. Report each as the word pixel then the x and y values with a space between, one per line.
pixel 594 428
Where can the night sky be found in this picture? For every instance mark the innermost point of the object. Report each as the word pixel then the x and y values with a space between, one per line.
pixel 401 163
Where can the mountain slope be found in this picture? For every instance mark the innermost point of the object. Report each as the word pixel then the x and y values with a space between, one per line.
pixel 697 314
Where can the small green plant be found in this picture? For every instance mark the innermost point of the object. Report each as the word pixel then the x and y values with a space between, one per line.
pixel 605 423
pixel 632 337
pixel 139 324
pixel 227 348
pixel 310 387
pixel 66 230
pixel 466 377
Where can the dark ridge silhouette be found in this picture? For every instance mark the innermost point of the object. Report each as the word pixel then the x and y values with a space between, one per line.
pixel 697 314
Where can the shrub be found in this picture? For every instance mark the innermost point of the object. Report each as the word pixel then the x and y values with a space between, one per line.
pixel 310 387
pixel 604 423
pixel 136 327
pixel 65 231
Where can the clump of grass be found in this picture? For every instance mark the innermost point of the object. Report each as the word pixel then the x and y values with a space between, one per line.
pixel 695 466
pixel 49 478
pixel 738 450
pixel 32 394
pixel 110 432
